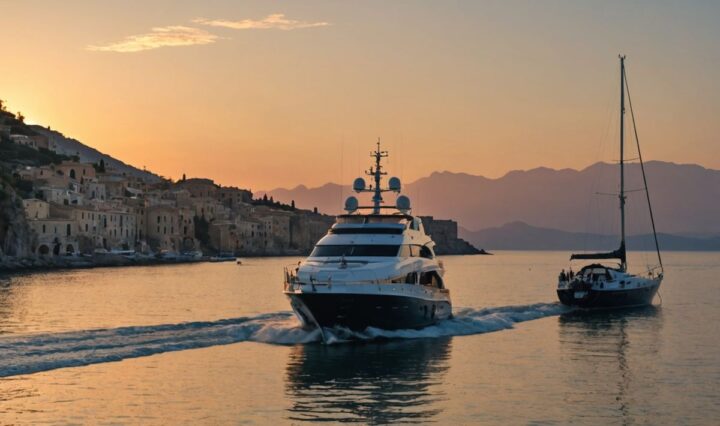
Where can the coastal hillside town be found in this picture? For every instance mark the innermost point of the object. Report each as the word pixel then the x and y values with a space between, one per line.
pixel 56 202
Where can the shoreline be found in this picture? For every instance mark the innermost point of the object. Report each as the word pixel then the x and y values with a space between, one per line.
pixel 13 265
pixel 10 265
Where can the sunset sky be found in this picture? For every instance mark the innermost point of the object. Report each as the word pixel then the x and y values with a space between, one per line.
pixel 266 94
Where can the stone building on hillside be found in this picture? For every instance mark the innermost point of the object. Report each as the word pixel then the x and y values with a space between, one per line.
pixel 306 229
pixel 62 196
pixel 445 235
pixel 198 187
pixel 224 237
pixel 36 209
pixel 163 228
pixel 170 228
pixel 94 190
pixel 54 236
pixel 115 184
pixel 105 226
pixel 76 171
pixel 232 197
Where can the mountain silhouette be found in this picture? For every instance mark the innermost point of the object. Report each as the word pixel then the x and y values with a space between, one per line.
pixel 685 198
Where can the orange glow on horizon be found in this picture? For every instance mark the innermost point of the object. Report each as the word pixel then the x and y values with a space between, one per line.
pixel 276 98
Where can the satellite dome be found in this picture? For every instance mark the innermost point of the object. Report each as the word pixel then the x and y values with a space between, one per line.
pixel 358 185
pixel 394 184
pixel 403 203
pixel 351 204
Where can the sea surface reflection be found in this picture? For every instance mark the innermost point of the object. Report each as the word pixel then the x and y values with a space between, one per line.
pixel 600 347
pixel 191 347
pixel 375 383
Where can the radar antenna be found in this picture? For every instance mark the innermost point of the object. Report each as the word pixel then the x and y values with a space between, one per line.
pixel 376 172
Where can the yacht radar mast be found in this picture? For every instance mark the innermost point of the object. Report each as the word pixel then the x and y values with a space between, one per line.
pixel 376 172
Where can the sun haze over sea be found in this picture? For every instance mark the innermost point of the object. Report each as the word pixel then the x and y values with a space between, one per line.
pixel 263 94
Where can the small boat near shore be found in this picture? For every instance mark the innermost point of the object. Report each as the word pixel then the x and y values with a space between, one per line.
pixel 223 257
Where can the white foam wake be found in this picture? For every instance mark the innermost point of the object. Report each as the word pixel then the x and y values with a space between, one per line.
pixel 42 352
pixel 464 322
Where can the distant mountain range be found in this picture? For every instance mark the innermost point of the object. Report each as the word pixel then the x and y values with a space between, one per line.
pixel 521 236
pixel 686 199
pixel 68 146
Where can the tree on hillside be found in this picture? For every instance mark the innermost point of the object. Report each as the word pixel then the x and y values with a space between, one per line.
pixel 20 117
pixel 2 105
pixel 292 204
pixel 100 167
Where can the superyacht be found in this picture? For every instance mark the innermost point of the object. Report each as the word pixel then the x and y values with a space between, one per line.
pixel 376 267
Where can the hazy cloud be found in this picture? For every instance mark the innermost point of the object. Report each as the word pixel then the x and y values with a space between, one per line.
pixel 275 21
pixel 175 35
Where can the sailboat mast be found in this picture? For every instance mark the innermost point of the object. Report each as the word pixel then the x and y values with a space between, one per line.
pixel 642 169
pixel 623 266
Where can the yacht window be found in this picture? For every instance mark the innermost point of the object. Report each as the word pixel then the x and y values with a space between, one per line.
pixel 426 252
pixel 355 251
pixel 396 231
pixel 431 279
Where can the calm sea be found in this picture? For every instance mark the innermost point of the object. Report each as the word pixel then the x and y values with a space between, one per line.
pixel 216 344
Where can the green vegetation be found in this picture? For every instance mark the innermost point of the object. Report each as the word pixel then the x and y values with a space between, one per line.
pixel 99 167
pixel 25 156
pixel 270 202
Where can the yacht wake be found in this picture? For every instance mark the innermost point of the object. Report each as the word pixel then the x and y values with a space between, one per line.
pixel 41 352
pixel 465 321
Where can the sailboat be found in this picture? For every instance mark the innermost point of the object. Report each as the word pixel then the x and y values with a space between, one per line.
pixel 601 286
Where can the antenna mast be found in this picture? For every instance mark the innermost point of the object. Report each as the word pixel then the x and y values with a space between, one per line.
pixel 377 175
pixel 622 197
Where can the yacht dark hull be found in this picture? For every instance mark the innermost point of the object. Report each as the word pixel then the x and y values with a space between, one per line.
pixel 360 311
pixel 609 298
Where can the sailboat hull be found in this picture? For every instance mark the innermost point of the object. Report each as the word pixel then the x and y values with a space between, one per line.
pixel 605 299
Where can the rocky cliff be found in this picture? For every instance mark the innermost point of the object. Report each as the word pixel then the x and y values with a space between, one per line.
pixel 15 234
